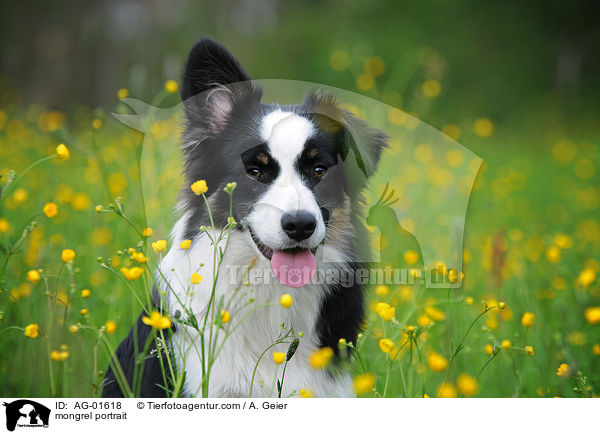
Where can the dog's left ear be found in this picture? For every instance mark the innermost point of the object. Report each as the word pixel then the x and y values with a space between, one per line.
pixel 212 82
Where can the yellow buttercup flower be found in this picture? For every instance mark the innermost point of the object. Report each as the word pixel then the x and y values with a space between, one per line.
pixel 199 187
pixel 434 313
pixel 73 328
pixel 67 255
pixel 385 311
pixel 411 257
pixel 467 385
pixel 225 317
pixel 185 244
pixel 83 312
pixel 62 298
pixel 506 344
pixel 563 241
pixel 22 291
pixel 489 349
pixel 564 370
pixel 62 152
pixel 386 345
pixel 431 88
pixel 469 300
pixel 453 275
pixel 32 331
pixel 586 277
pixel 196 278
pixel 148 232
pixel 159 246
pixel 85 293
pixel 157 321
pixel 436 362
pixel 452 131
pixel 34 276
pixel 132 273
pixel 111 327
pixel 50 210
pixel 286 301
pixel 97 124
pixel 529 350
pixel 139 257
pixel 374 65
pixel 278 358
pixel 122 93
pixel 4 225
pixel 171 86
pixel 447 390
pixel 596 350
pixel 382 290
pixel 363 383
pixel 423 320
pixel 528 319
pixel 483 127
pixel 320 359
pixel 365 81
pixel 59 356
pixel 592 315
pixel 20 195
pixel 553 254
pixel 305 393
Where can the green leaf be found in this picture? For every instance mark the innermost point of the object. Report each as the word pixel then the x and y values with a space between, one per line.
pixel 292 349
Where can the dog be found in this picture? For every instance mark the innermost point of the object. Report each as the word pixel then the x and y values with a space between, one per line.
pixel 298 171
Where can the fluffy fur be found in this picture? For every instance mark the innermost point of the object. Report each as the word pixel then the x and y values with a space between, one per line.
pixel 230 135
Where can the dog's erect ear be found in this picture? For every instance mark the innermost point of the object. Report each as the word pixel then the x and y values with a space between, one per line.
pixel 210 65
pixel 211 84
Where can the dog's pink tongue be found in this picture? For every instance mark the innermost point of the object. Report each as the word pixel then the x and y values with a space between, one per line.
pixel 294 269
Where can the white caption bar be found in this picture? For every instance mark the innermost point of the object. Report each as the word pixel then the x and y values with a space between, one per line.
pixel 298 415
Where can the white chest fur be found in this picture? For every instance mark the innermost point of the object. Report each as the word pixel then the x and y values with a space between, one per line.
pixel 253 326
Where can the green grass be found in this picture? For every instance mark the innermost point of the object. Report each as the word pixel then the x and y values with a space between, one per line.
pixel 524 197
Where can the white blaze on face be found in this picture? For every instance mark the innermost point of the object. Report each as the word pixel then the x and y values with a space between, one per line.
pixel 286 134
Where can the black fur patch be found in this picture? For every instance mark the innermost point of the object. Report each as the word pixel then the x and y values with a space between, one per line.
pixel 341 315
pixel 153 383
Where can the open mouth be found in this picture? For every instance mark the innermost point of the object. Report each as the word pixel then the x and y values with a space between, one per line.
pixel 265 250
pixel 293 267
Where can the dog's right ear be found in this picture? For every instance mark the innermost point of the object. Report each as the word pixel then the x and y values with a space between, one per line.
pixel 210 64
pixel 208 89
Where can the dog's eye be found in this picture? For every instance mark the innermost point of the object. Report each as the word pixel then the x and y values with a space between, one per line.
pixel 319 171
pixel 253 172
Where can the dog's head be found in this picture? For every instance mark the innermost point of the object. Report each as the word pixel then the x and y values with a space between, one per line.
pixel 295 190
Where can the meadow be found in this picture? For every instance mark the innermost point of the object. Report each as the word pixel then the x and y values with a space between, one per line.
pixel 80 236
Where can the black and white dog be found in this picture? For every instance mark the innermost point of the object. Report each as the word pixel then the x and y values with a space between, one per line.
pixel 300 170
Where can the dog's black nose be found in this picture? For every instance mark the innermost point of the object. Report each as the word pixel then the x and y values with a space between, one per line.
pixel 300 226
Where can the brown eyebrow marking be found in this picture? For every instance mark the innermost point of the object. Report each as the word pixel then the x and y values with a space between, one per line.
pixel 263 158
pixel 313 152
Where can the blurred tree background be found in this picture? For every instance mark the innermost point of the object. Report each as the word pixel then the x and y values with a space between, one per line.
pixel 503 59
